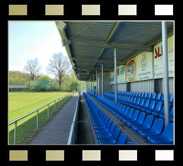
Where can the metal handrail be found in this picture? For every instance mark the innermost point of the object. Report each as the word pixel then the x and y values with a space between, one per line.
pixel 37 110
pixel 73 130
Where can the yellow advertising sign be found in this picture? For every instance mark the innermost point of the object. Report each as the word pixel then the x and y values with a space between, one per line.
pixel 158 59
pixel 131 70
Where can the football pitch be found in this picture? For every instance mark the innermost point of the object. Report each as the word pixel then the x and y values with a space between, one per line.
pixel 22 103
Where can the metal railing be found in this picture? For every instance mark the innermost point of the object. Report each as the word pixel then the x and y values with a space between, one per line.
pixel 74 125
pixel 48 114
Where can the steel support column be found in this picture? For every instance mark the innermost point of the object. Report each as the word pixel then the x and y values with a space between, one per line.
pixel 102 85
pixel 165 71
pixel 115 77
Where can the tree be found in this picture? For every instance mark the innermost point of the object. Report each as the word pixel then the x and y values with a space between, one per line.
pixel 33 67
pixel 45 78
pixel 60 67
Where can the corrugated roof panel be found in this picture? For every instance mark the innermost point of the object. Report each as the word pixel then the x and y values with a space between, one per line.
pixel 128 32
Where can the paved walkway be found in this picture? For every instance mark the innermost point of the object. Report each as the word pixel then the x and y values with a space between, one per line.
pixel 56 131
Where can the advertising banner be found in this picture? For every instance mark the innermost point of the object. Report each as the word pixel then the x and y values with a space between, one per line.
pixel 121 74
pixel 40 84
pixel 131 70
pixel 158 59
pixel 144 66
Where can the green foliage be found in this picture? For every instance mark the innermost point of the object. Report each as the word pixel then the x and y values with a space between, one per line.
pixel 45 78
pixel 74 83
pixel 70 83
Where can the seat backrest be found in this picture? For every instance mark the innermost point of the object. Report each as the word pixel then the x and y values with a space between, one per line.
pixel 146 104
pixel 134 100
pixel 158 106
pixel 171 112
pixel 171 98
pixel 106 120
pixel 122 139
pixel 162 98
pixel 122 110
pixel 126 111
pixel 113 126
pixel 149 95
pixel 153 96
pixel 142 101
pixel 168 133
pixel 109 123
pixel 130 112
pixel 137 101
pixel 115 134
pixel 142 95
pixel 135 115
pixel 145 95
pixel 139 94
pixel 141 118
pixel 152 104
pixel 158 96
pixel 158 125
pixel 148 121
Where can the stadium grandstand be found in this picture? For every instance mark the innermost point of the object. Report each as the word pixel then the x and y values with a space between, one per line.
pixel 128 68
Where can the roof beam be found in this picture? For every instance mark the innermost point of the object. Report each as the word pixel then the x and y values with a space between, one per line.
pixel 113 45
pixel 82 61
pixel 116 25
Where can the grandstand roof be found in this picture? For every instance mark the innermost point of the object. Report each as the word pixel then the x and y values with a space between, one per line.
pixel 90 43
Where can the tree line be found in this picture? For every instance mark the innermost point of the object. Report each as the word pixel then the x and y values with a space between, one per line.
pixel 59 66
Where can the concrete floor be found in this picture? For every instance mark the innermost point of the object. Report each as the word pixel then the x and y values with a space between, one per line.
pixel 56 131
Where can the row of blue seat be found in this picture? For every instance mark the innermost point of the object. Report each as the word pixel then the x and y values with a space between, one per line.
pixel 144 124
pixel 106 131
pixel 150 106
pixel 152 96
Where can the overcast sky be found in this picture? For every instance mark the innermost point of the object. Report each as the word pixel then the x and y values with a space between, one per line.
pixel 33 39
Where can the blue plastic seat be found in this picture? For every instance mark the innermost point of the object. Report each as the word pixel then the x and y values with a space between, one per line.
pixel 162 112
pixel 156 129
pixel 165 138
pixel 151 106
pixel 145 106
pixel 171 114
pixel 162 98
pixel 107 134
pixel 133 118
pixel 149 96
pixel 157 108
pixel 171 98
pixel 122 139
pixel 145 95
pixel 105 129
pixel 142 101
pixel 142 95
pixel 101 124
pixel 125 113
pixel 153 96
pixel 139 121
pixel 158 96
pixel 129 115
pixel 146 125
pixel 112 139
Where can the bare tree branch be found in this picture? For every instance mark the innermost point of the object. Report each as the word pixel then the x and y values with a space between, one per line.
pixel 60 67
pixel 33 67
